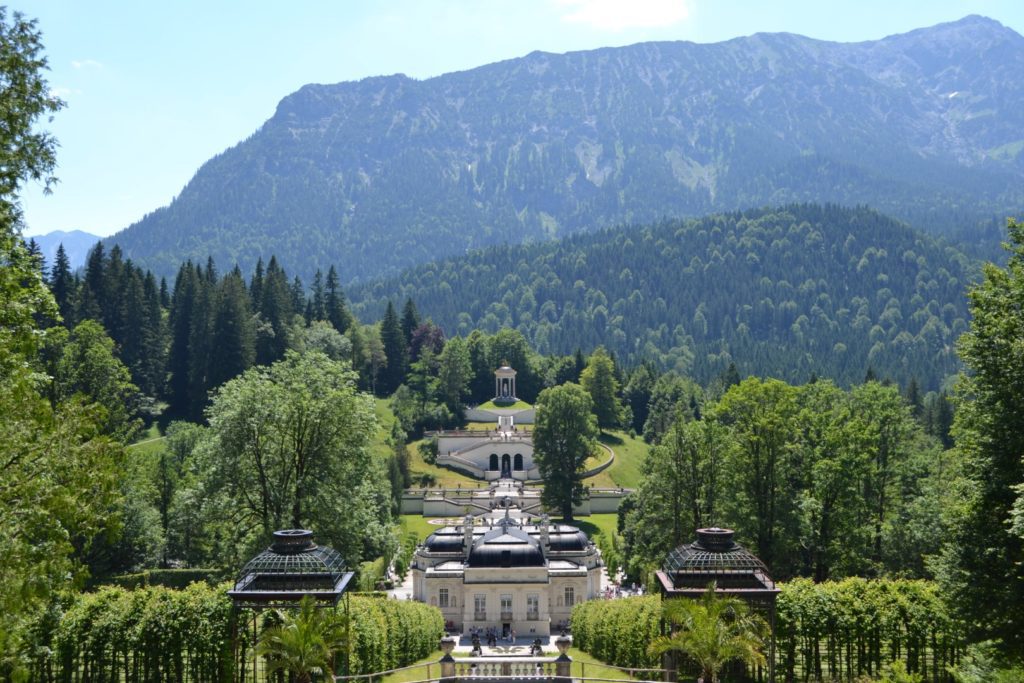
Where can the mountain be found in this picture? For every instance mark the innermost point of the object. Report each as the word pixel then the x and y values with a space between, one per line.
pixel 780 292
pixel 76 244
pixel 389 171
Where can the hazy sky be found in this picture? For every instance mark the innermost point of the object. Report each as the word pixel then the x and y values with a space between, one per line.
pixel 154 89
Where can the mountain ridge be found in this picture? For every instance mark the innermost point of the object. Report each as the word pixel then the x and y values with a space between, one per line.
pixel 389 171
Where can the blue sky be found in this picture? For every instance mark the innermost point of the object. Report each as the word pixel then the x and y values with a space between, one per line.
pixel 154 89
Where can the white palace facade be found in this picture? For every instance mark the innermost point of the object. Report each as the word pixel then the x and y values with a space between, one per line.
pixel 505 572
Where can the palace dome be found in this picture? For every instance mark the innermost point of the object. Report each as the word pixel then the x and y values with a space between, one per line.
pixel 506 547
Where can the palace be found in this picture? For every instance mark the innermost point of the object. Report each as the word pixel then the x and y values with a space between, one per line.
pixel 504 571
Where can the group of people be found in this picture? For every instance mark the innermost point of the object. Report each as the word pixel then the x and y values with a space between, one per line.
pixel 491 634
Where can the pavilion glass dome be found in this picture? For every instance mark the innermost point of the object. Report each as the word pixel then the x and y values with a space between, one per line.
pixel 716 557
pixel 291 568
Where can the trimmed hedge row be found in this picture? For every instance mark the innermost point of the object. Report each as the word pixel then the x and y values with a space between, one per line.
pixel 388 634
pixel 618 631
pixel 160 634
pixel 836 629
pixel 147 634
pixel 168 578
pixel 842 629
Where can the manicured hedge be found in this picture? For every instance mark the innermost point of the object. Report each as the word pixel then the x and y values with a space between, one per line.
pixel 148 634
pixel 161 634
pixel 853 627
pixel 388 634
pixel 168 578
pixel 618 631
pixel 837 629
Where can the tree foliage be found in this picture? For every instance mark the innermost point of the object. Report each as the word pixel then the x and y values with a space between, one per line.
pixel 983 563
pixel 564 436
pixel 288 447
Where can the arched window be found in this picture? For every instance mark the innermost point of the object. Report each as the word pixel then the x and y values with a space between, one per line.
pixel 494 462
pixel 517 462
pixel 506 463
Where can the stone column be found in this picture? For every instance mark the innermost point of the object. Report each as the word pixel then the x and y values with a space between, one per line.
pixel 447 661
pixel 563 665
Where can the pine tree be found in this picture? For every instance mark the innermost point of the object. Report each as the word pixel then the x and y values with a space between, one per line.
pixel 178 363
pixel 165 296
pixel 233 347
pixel 394 343
pixel 318 305
pixel 62 283
pixel 336 309
pixel 410 321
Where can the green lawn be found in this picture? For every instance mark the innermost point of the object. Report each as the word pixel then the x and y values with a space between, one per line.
pixel 630 454
pixel 444 476
pixel 418 525
pixel 385 419
pixel 149 441
pixel 592 525
pixel 511 405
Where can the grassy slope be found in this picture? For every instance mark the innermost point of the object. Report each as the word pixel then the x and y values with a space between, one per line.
pixel 516 405
pixel 418 525
pixel 149 441
pixel 595 524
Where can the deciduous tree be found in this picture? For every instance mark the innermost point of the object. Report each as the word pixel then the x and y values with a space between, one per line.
pixel 564 437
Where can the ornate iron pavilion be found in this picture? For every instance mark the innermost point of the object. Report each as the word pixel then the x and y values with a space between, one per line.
pixel 290 569
pixel 716 558
pixel 281 576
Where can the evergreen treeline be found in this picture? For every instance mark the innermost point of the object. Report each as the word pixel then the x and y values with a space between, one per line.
pixel 788 293
pixel 179 344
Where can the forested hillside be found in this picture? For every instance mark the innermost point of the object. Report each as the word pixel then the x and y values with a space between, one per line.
pixel 785 292
pixel 388 172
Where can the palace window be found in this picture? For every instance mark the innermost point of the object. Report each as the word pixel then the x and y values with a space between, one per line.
pixel 532 607
pixel 442 597
pixel 570 594
pixel 479 607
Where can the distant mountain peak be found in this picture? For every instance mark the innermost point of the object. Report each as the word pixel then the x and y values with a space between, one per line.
pixel 381 173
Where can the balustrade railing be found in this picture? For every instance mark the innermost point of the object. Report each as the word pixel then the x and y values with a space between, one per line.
pixel 517 667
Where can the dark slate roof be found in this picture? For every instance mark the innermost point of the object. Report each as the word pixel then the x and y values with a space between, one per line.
pixel 445 541
pixel 506 546
pixel 566 540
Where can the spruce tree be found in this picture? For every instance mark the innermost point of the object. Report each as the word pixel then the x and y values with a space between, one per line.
pixel 336 309
pixel 298 291
pixel 410 321
pixel 182 304
pixel 233 346
pixel 154 334
pixel 61 284
pixel 275 309
pixel 318 305
pixel 393 341
pixel 199 343
pixel 91 291
pixel 256 285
